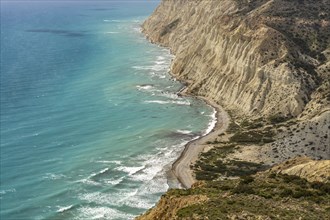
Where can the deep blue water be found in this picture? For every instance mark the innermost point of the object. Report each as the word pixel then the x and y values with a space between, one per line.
pixel 90 119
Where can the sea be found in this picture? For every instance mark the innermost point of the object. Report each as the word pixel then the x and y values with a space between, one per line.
pixel 91 121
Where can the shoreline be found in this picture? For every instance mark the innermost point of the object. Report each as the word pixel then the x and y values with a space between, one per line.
pixel 181 166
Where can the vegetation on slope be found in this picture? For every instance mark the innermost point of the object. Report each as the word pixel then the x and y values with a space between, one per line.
pixel 259 58
pixel 231 188
pixel 267 196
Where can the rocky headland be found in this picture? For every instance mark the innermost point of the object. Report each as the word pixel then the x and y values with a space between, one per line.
pixel 267 63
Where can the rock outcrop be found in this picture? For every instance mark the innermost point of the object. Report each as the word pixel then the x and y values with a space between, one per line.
pixel 304 167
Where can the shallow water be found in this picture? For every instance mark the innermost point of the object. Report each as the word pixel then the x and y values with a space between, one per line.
pixel 90 119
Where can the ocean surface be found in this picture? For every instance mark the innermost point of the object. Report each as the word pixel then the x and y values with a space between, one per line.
pixel 90 118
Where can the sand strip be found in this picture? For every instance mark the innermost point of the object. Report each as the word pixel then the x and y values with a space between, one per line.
pixel 181 167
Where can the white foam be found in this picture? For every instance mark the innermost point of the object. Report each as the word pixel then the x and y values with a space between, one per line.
pixel 102 213
pixel 64 208
pixel 144 87
pixel 181 102
pixel 103 171
pixel 112 32
pixel 106 20
pixel 168 102
pixel 139 202
pixel 169 95
pixel 134 198
pixel 137 29
pixel 98 173
pixel 108 198
pixel 109 161
pixel 158 102
pixel 2 192
pixel 156 186
pixel 130 170
pixel 212 123
pixel 156 67
pixel 114 181
pixel 184 131
pixel 88 182
pixel 53 176
pixel 53 159
pixel 150 171
pixel 154 170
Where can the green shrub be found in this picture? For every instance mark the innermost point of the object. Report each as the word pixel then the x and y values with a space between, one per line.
pixel 302 193
pixel 286 193
pixel 272 175
pixel 243 188
pixel 247 179
pixel 294 179
pixel 205 175
pixel 275 119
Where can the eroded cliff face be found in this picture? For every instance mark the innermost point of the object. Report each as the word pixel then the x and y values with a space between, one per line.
pixel 268 61
pixel 304 167
pixel 258 58
pixel 261 57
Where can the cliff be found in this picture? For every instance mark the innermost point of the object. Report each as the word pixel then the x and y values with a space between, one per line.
pixel 267 62
pixel 263 60
pixel 261 56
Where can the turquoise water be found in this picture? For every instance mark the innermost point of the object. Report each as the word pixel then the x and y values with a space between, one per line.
pixel 90 119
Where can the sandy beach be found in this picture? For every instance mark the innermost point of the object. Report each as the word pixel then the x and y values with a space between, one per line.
pixel 181 167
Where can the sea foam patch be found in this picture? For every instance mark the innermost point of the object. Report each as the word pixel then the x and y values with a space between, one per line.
pixel 64 208
pixel 112 32
pixel 99 173
pixel 101 212
pixel 168 102
pixel 130 170
pixel 184 131
pixel 113 181
pixel 53 176
pixel 212 122
pixel 145 87
pixel 156 67
pixel 2 192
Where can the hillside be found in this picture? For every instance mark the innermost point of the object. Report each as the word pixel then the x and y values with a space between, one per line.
pixel 267 62
pixel 266 195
